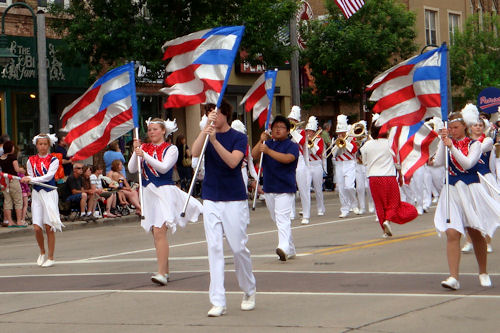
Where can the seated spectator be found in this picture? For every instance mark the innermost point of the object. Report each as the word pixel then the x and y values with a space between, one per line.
pixel 96 184
pixel 113 153
pixel 75 191
pixel 131 195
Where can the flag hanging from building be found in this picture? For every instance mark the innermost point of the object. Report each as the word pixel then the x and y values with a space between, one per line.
pixel 413 90
pixel 200 65
pixel 349 7
pixel 260 97
pixel 413 145
pixel 106 111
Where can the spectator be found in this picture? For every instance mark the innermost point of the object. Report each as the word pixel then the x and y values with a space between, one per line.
pixel 25 188
pixel 132 196
pixel 91 194
pixel 75 191
pixel 3 138
pixel 62 148
pixel 12 194
pixel 96 183
pixel 113 153
pixel 183 162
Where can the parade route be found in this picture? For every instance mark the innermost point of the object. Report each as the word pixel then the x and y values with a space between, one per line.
pixel 345 278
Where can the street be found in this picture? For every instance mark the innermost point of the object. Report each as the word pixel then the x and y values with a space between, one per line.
pixel 345 278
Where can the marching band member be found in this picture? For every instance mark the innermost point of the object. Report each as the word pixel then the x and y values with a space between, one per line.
pixel 378 157
pixel 316 147
pixel 42 168
pixel 225 207
pixel 362 185
pixel 344 156
pixel 247 164
pixel 303 175
pixel 279 165
pixel 486 164
pixel 471 208
pixel 163 200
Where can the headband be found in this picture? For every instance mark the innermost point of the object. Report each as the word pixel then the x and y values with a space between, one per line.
pixel 170 125
pixel 456 119
pixel 52 138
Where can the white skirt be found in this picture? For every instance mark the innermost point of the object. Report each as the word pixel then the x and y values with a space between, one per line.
pixel 470 206
pixel 45 209
pixel 164 204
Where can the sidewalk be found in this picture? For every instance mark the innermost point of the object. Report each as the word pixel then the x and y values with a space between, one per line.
pixel 70 225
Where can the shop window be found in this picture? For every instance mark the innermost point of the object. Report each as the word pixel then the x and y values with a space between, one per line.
pixel 454 25
pixel 430 27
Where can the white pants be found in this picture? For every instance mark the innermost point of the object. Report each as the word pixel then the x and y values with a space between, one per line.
pixel 417 188
pixel 316 169
pixel 303 178
pixel 427 200
pixel 438 175
pixel 362 188
pixel 345 175
pixel 230 218
pixel 279 205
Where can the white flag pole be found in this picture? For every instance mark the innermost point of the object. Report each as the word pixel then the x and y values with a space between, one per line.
pixel 139 171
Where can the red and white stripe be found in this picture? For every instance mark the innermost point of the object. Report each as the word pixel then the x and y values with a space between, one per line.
pixel 256 98
pixel 316 153
pixel 347 155
pixel 349 7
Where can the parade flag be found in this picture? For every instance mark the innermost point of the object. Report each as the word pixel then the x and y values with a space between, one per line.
pixel 5 179
pixel 200 65
pixel 260 97
pixel 106 111
pixel 413 90
pixel 349 7
pixel 413 145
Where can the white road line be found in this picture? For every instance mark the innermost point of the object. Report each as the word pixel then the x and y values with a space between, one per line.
pixel 260 293
pixel 251 234
pixel 232 271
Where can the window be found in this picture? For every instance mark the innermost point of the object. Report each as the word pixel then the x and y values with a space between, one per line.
pixel 453 25
pixel 45 3
pixel 430 27
pixel 5 3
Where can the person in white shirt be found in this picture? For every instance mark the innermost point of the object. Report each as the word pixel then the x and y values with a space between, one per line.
pixel 316 148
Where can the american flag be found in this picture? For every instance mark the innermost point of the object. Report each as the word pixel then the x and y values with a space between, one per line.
pixel 349 7
pixel 106 111
pixel 260 97
pixel 413 145
pixel 200 65
pixel 413 90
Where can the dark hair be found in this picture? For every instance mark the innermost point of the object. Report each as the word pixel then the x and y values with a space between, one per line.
pixel 113 146
pixel 485 115
pixel 85 180
pixel 281 119
pixel 115 164
pixel 94 168
pixel 457 116
pixel 8 147
pixel 375 132
pixel 226 109
pixel 178 141
pixel 208 108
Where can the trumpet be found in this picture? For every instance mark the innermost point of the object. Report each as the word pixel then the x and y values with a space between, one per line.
pixel 310 142
pixel 357 131
pixel 295 125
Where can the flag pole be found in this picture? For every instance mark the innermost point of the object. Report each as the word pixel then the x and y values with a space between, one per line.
pixel 254 202
pixel 449 106
pixel 139 171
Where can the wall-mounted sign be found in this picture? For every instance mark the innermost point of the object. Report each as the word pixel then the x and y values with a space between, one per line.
pixel 489 100
pixel 247 68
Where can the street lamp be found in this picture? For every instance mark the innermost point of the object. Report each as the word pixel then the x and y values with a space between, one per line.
pixel 41 49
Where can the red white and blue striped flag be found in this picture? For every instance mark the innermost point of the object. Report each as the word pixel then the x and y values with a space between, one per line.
pixel 413 145
pixel 260 97
pixel 413 90
pixel 200 65
pixel 106 111
pixel 349 7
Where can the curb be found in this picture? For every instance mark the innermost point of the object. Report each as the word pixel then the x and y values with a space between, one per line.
pixel 69 225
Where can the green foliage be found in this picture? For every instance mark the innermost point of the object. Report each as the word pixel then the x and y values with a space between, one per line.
pixel 345 55
pixel 475 58
pixel 111 32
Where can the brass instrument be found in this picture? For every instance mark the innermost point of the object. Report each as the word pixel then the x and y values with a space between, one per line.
pixel 294 125
pixel 357 131
pixel 310 142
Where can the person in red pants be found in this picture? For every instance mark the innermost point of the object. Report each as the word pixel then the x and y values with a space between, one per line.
pixel 381 170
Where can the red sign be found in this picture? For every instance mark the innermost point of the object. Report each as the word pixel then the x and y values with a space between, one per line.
pixel 304 14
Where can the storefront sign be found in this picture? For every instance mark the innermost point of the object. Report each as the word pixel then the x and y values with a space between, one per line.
pixel 489 100
pixel 22 71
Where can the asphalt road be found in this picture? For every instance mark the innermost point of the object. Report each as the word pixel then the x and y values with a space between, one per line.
pixel 346 277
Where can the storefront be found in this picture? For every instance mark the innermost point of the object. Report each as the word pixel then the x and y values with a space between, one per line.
pixel 19 110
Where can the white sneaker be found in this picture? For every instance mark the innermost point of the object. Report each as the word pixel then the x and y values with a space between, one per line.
pixel 356 211
pixel 321 213
pixel 467 247
pixel 387 228
pixel 40 260
pixel 216 311
pixel 248 302
pixel 342 215
pixel 281 254
pixel 48 263
pixel 159 279
pixel 420 210
pixel 484 280
pixel 489 249
pixel 304 221
pixel 451 283
pixel 97 214
pixel 291 256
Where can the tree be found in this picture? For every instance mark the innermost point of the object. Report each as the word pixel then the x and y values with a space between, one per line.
pixel 110 32
pixel 346 55
pixel 475 58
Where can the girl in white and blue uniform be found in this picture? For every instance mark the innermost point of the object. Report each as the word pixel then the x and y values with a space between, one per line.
pixel 163 201
pixel 42 168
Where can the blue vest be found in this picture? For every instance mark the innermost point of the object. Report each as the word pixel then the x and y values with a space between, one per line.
pixel 467 176
pixel 150 175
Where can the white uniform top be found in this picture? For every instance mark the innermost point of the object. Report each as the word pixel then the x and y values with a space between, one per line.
pixel 378 157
